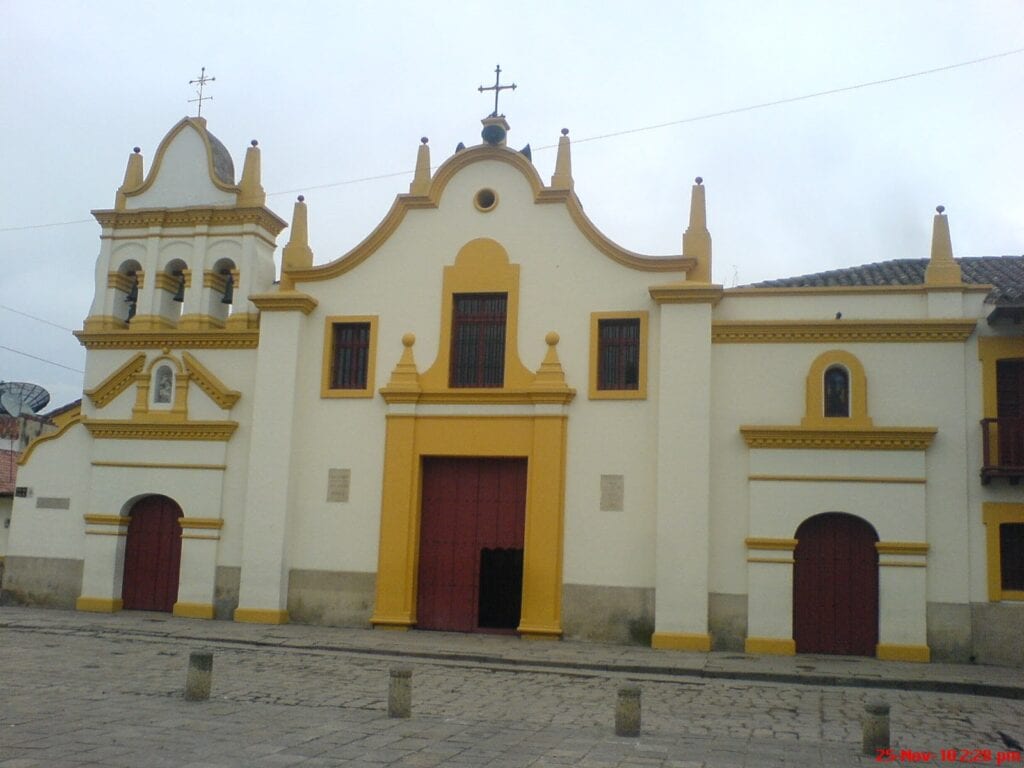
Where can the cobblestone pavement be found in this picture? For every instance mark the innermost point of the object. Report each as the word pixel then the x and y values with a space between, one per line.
pixel 92 690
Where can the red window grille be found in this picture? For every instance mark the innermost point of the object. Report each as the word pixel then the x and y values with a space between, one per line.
pixel 350 355
pixel 1011 555
pixel 478 340
pixel 618 353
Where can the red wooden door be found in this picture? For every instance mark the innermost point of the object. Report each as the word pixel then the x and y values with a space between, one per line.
pixel 152 555
pixel 472 522
pixel 835 586
pixel 1010 405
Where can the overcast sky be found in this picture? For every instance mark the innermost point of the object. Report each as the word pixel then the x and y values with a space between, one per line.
pixel 340 91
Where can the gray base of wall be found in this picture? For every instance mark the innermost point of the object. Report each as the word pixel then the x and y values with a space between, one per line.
pixel 727 621
pixel 331 598
pixel 949 632
pixel 608 614
pixel 997 629
pixel 49 582
pixel 227 583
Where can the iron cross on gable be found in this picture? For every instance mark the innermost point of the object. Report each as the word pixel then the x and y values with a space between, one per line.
pixel 497 88
pixel 201 81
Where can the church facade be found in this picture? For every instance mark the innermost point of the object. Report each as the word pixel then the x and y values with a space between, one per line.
pixel 487 416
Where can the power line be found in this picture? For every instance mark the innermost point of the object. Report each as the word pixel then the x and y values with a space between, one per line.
pixel 41 359
pixel 33 317
pixel 628 131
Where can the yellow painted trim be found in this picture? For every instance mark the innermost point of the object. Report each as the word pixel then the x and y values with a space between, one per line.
pixel 117 382
pixel 165 281
pixel 992 349
pixel 408 438
pixel 814 392
pixel 681 641
pixel 158 465
pixel 542 195
pixel 67 424
pixel 832 290
pixel 133 338
pixel 151 324
pixel 855 439
pixel 640 393
pixel 91 532
pixel 210 523
pixel 898 652
pixel 901 564
pixel 210 384
pixel 122 281
pixel 770 543
pixel 99 604
pixel 326 391
pixel 780 560
pixel 538 633
pixel 836 479
pixel 193 610
pixel 284 301
pixel 994 514
pixel 839 331
pixel 106 520
pixel 902 547
pixel 476 200
pixel 200 537
pixel 116 429
pixel 686 293
pixel 260 616
pixel 770 646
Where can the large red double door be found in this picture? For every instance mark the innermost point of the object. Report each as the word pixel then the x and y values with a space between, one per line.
pixel 471 544
pixel 152 555
pixel 835 586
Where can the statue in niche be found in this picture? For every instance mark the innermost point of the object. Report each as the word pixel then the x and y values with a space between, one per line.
pixel 164 384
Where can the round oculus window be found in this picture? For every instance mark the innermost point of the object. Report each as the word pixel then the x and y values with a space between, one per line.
pixel 485 200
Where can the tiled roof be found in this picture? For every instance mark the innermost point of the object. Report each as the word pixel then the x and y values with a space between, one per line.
pixel 8 472
pixel 1004 273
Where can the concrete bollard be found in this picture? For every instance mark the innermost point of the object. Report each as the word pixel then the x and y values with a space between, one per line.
pixel 200 670
pixel 627 711
pixel 400 692
pixel 875 727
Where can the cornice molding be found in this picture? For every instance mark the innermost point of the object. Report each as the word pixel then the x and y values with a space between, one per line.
pixel 284 301
pixel 117 520
pixel 117 382
pixel 856 439
pixel 117 429
pixel 902 547
pixel 686 293
pixel 129 339
pixel 72 418
pixel 756 542
pixel 198 216
pixel 210 384
pixel 840 331
pixel 207 523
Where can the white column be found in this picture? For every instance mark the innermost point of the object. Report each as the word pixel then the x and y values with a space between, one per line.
pixel 103 567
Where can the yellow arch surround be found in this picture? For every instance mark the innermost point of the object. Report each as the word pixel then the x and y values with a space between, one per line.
pixel 814 413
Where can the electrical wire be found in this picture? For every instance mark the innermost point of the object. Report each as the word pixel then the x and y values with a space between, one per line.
pixel 41 359
pixel 33 317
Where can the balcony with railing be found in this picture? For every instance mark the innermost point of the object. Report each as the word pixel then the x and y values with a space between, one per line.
pixel 1002 449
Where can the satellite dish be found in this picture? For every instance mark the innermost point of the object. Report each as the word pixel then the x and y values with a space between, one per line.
pixel 19 398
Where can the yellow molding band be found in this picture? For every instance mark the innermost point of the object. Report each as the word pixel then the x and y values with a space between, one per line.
pixel 261 616
pixel 754 542
pixel 284 301
pixel 835 479
pixel 121 532
pixel 157 465
pixel 139 339
pixel 901 564
pixel 686 293
pixel 866 439
pixel 681 641
pixel 68 424
pixel 116 429
pixel 897 652
pixel 210 384
pixel 840 331
pixel 117 382
pixel 193 610
pixel 817 290
pixel 165 281
pixel 538 633
pixel 200 537
pixel 780 560
pixel 209 523
pixel 392 624
pixel 123 282
pixel 106 519
pixel 772 646
pixel 902 547
pixel 99 604
pixel 209 216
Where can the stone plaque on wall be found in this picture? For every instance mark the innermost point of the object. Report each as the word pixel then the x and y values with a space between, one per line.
pixel 338 482
pixel 612 493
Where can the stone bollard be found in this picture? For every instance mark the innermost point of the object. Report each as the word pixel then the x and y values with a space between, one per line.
pixel 627 711
pixel 200 670
pixel 875 727
pixel 400 692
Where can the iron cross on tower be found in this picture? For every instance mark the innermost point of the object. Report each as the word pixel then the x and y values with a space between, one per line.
pixel 497 88
pixel 201 81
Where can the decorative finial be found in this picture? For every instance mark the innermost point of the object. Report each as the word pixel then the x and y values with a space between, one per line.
pixel 201 81
pixel 424 139
pixel 302 198
pixel 699 180
pixel 254 143
pixel 940 209
pixel 136 150
pixel 565 131
pixel 497 88
pixel 408 339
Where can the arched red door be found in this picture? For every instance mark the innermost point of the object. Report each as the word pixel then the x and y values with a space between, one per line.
pixel 835 586
pixel 152 555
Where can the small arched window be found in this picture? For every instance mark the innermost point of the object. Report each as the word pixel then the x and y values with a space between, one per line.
pixel 164 384
pixel 837 392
